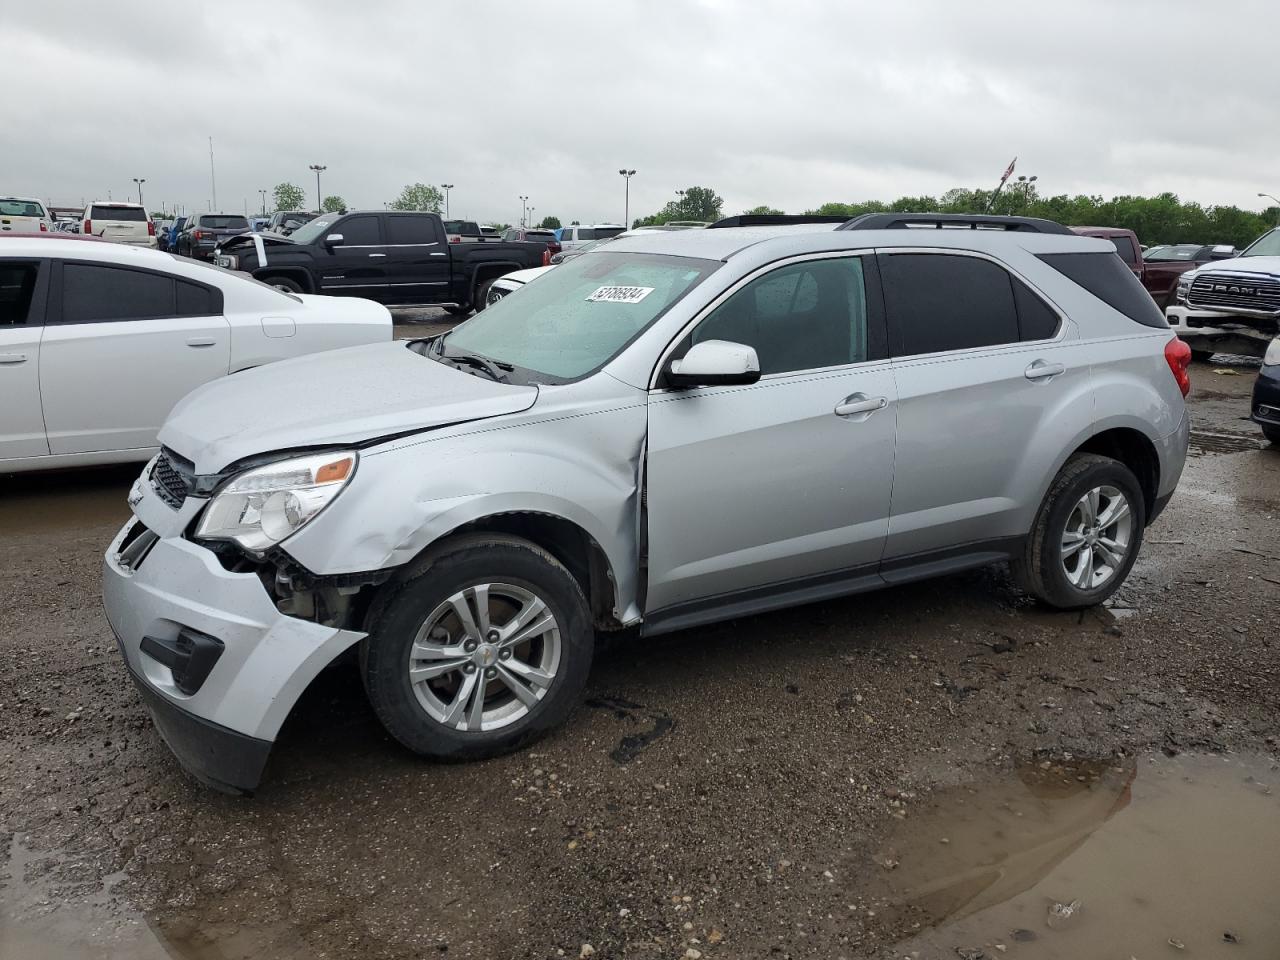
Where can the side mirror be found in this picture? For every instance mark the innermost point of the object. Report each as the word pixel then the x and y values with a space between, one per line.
pixel 1223 251
pixel 333 240
pixel 714 363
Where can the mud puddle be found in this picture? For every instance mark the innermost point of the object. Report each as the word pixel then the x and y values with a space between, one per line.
pixel 1155 858
pixel 75 500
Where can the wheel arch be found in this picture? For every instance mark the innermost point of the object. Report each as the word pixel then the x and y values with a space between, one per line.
pixel 298 274
pixel 1136 451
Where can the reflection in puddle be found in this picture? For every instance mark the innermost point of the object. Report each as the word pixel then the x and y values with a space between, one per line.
pixel 81 500
pixel 1079 859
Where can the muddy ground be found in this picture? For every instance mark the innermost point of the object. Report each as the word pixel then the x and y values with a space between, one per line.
pixel 724 792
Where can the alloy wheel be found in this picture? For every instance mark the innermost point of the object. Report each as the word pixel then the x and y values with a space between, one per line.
pixel 1097 537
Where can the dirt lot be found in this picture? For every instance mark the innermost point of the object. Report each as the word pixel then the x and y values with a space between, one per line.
pixel 779 786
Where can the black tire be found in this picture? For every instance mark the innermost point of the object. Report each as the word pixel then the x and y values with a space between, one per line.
pixel 1040 570
pixel 1271 433
pixel 1201 356
pixel 284 283
pixel 460 310
pixel 405 606
pixel 482 294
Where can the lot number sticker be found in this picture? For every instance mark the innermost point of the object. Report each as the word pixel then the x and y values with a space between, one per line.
pixel 619 294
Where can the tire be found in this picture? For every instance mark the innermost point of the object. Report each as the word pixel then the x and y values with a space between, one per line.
pixel 482 293
pixel 285 284
pixel 1201 356
pixel 461 310
pixel 421 714
pixel 1271 433
pixel 1043 570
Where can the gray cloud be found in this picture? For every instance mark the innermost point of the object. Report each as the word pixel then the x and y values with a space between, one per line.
pixel 786 103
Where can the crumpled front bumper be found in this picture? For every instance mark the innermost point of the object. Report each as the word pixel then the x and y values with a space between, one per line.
pixel 1225 333
pixel 221 732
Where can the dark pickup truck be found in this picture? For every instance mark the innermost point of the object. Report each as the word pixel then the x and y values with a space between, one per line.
pixel 397 259
pixel 202 234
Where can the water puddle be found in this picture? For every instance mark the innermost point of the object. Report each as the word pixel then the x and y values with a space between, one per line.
pixel 76 500
pixel 1080 859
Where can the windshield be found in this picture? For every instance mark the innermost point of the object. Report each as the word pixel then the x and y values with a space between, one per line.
pixel 576 318
pixel 1181 251
pixel 309 231
pixel 1267 245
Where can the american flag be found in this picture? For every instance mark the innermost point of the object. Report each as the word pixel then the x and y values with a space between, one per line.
pixel 1009 170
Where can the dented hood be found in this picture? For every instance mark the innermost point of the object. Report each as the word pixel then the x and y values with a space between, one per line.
pixel 346 396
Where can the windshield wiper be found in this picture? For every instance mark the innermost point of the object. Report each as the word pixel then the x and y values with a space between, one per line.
pixel 494 368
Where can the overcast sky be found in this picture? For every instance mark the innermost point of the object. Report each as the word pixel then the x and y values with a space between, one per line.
pixel 785 103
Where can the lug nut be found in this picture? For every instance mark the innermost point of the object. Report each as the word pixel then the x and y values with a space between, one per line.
pixel 505 654
pixel 470 646
pixel 493 636
pixel 491 673
pixel 468 668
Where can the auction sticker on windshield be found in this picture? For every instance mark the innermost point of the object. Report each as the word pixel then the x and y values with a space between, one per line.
pixel 619 294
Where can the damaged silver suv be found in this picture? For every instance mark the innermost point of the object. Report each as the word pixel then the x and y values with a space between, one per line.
pixel 675 429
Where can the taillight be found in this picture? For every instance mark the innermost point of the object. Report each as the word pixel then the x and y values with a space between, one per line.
pixel 151 228
pixel 197 235
pixel 44 227
pixel 86 226
pixel 455 238
pixel 1178 355
pixel 546 257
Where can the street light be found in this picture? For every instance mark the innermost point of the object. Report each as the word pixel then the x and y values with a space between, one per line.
pixel 140 181
pixel 524 210
pixel 264 202
pixel 531 209
pixel 447 187
pixel 626 216
pixel 1269 197
pixel 318 168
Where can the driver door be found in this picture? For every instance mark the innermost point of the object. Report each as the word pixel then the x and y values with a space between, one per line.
pixel 768 494
pixel 358 266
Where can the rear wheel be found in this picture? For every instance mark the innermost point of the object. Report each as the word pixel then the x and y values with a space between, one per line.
pixel 458 310
pixel 1086 536
pixel 483 650
pixel 284 284
pixel 482 294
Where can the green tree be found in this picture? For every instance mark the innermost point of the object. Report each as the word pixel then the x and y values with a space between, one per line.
pixel 762 210
pixel 288 196
pixel 333 205
pixel 500 227
pixel 695 203
pixel 550 223
pixel 419 196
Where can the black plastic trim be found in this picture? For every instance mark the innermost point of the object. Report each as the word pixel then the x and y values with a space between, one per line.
pixel 940 221
pixel 775 220
pixel 190 657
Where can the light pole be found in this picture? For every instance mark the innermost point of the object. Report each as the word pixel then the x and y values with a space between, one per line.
pixel 531 209
pixel 626 216
pixel 264 202
pixel 318 168
pixel 524 210
pixel 140 181
pixel 213 178
pixel 680 203
pixel 447 187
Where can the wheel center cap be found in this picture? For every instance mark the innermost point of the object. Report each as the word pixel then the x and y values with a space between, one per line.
pixel 486 654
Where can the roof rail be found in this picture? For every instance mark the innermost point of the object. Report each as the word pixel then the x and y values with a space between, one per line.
pixel 951 221
pixel 774 220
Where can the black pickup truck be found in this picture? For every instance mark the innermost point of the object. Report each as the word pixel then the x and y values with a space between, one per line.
pixel 398 259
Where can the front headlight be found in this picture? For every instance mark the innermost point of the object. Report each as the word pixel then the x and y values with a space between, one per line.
pixel 1272 357
pixel 1184 288
pixel 262 506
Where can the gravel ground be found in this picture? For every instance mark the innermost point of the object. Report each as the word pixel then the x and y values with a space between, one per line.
pixel 720 794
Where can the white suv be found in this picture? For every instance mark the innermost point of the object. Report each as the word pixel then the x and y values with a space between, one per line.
pixel 119 222
pixel 577 234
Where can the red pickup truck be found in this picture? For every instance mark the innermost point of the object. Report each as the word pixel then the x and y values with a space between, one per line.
pixel 1160 270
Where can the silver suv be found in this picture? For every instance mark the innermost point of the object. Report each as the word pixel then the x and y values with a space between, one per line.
pixel 677 428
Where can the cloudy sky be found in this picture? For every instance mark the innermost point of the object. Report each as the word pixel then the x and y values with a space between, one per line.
pixel 788 103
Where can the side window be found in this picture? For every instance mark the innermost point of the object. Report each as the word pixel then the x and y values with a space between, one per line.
pixel 411 229
pixel 939 302
pixel 1036 319
pixel 359 231
pixel 195 300
pixel 1124 247
pixel 585 233
pixel 94 292
pixel 17 287
pixel 798 317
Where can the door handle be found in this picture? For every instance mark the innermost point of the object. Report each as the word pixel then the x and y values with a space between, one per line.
pixel 860 403
pixel 377 254
pixel 201 341
pixel 13 358
pixel 439 254
pixel 1043 370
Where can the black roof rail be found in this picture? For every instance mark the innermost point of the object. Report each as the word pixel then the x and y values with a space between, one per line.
pixel 952 221
pixel 774 220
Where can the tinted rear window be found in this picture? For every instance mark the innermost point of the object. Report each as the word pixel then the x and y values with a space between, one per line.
pixel 91 292
pixel 1107 278
pixel 939 302
pixel 603 233
pixel 224 223
pixel 1124 247
pixel 539 235
pixel 409 229
pixel 130 214
pixel 20 208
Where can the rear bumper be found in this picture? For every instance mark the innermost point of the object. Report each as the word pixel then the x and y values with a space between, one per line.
pixel 1172 453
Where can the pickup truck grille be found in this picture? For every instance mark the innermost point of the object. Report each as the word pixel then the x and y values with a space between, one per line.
pixel 171 479
pixel 1236 291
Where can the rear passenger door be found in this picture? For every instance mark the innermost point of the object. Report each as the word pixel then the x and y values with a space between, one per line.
pixel 22 299
pixel 122 346
pixel 417 259
pixel 357 267
pixel 989 378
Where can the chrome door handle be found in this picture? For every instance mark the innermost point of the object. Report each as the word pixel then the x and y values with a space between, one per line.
pixel 858 403
pixel 1042 370
pixel 201 341
pixel 13 358
pixel 439 254
pixel 377 254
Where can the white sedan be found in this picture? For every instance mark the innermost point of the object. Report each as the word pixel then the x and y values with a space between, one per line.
pixel 98 341
pixel 512 282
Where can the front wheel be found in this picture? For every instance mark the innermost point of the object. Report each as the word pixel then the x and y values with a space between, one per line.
pixel 483 649
pixel 1086 536
pixel 284 284
pixel 457 310
pixel 481 299
pixel 1271 433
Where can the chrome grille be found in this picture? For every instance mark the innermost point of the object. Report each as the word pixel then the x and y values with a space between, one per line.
pixel 170 480
pixel 1236 291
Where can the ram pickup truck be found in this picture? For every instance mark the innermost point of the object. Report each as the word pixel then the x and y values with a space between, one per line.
pixel 1231 306
pixel 395 258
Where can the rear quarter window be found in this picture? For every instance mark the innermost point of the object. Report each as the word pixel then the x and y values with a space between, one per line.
pixel 1107 277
